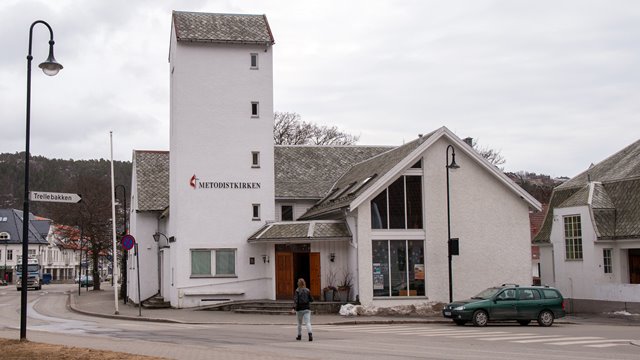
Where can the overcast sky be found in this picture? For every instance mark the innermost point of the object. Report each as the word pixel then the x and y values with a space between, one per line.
pixel 553 85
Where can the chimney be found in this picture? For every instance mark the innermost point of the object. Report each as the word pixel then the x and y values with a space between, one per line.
pixel 469 141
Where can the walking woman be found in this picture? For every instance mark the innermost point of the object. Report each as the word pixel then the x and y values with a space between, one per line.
pixel 302 298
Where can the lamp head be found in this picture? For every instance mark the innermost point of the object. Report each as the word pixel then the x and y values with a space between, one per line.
pixel 156 237
pixel 51 67
pixel 453 164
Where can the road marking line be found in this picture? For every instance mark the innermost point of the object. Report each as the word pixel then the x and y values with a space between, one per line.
pixel 479 334
pixel 449 333
pixel 581 342
pixel 558 339
pixel 512 337
pixel 604 345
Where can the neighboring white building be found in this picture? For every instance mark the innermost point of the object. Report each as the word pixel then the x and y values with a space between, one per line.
pixel 590 240
pixel 238 219
pixel 11 240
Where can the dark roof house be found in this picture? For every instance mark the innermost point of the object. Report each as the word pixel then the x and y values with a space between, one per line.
pixel 612 190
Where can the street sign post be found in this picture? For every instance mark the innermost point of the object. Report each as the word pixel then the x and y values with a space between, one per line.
pixel 54 197
pixel 127 242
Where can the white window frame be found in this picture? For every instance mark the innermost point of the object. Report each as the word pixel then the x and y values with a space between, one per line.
pixel 212 264
pixel 573 250
pixel 251 65
pixel 10 254
pixel 255 114
pixel 255 212
pixel 255 159
pixel 607 260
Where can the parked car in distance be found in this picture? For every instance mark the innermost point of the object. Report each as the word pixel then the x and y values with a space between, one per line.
pixel 87 280
pixel 508 302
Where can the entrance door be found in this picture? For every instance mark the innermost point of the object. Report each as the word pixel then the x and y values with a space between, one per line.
pixel 634 266
pixel 284 275
pixel 314 274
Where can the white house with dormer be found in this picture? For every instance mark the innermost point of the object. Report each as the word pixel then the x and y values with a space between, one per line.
pixel 590 239
pixel 237 218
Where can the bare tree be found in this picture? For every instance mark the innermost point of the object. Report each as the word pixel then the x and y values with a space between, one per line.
pixel 93 216
pixel 289 129
pixel 491 155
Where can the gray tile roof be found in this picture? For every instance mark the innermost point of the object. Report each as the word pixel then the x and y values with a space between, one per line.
pixel 354 180
pixel 222 28
pixel 152 175
pixel 624 164
pixel 302 231
pixel 615 199
pixel 13 226
pixel 309 172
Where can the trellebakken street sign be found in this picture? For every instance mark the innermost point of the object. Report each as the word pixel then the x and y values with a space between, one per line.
pixel 54 197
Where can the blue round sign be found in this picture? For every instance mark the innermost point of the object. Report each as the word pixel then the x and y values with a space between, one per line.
pixel 128 241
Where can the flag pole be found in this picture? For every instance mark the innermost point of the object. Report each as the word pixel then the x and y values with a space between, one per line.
pixel 114 267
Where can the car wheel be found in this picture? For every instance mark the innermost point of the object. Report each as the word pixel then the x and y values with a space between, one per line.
pixel 545 318
pixel 459 322
pixel 480 318
pixel 524 322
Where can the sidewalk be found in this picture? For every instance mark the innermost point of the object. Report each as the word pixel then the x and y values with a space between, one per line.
pixel 102 304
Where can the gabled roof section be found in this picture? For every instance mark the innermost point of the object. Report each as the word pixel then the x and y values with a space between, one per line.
pixel 152 179
pixel 302 231
pixel 372 174
pixel 579 198
pixel 614 199
pixel 624 164
pixel 11 223
pixel 309 172
pixel 222 28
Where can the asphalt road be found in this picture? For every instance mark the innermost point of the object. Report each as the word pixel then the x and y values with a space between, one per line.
pixel 50 321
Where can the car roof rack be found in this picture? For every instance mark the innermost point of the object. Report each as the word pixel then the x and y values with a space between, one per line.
pixel 507 284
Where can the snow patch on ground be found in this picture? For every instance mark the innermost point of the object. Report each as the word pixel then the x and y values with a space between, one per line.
pixel 421 309
pixel 623 313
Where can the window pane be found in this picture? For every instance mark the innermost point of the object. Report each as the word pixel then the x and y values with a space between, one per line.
pixel 287 213
pixel 398 257
pixel 396 204
pixel 379 211
pixel 380 261
pixel 414 202
pixel 416 268
pixel 200 262
pixel 225 262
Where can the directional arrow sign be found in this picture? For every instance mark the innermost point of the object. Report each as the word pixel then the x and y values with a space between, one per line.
pixel 54 197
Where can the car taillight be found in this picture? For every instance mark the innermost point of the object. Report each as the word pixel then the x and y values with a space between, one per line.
pixel 563 305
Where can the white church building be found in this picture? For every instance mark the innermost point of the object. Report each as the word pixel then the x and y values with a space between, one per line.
pixel 237 218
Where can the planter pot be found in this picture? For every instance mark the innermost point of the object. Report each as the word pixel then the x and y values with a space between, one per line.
pixel 328 295
pixel 343 293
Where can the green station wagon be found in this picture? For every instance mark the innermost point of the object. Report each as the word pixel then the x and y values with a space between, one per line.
pixel 508 302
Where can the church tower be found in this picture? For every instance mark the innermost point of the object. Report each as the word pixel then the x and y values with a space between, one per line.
pixel 221 157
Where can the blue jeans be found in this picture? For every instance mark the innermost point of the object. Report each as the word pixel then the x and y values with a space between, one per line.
pixel 304 315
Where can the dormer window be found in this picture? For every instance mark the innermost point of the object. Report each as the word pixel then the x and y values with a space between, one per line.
pixel 5 236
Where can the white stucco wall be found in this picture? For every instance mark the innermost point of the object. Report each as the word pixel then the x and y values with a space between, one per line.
pixel 585 279
pixel 212 137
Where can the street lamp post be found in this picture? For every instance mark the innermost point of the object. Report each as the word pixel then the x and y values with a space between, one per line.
pixel 4 269
pixel 123 287
pixel 451 165
pixel 50 67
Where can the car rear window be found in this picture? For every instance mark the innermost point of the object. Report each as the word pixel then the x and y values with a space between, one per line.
pixel 550 294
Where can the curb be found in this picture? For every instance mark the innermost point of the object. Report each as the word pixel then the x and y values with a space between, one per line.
pixel 72 305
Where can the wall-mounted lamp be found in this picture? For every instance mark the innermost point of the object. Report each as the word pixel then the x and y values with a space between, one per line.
pixel 332 257
pixel 163 244
pixel 265 258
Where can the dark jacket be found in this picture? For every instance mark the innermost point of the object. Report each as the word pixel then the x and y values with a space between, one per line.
pixel 302 298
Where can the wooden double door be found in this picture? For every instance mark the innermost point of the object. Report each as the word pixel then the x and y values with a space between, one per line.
pixel 290 266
